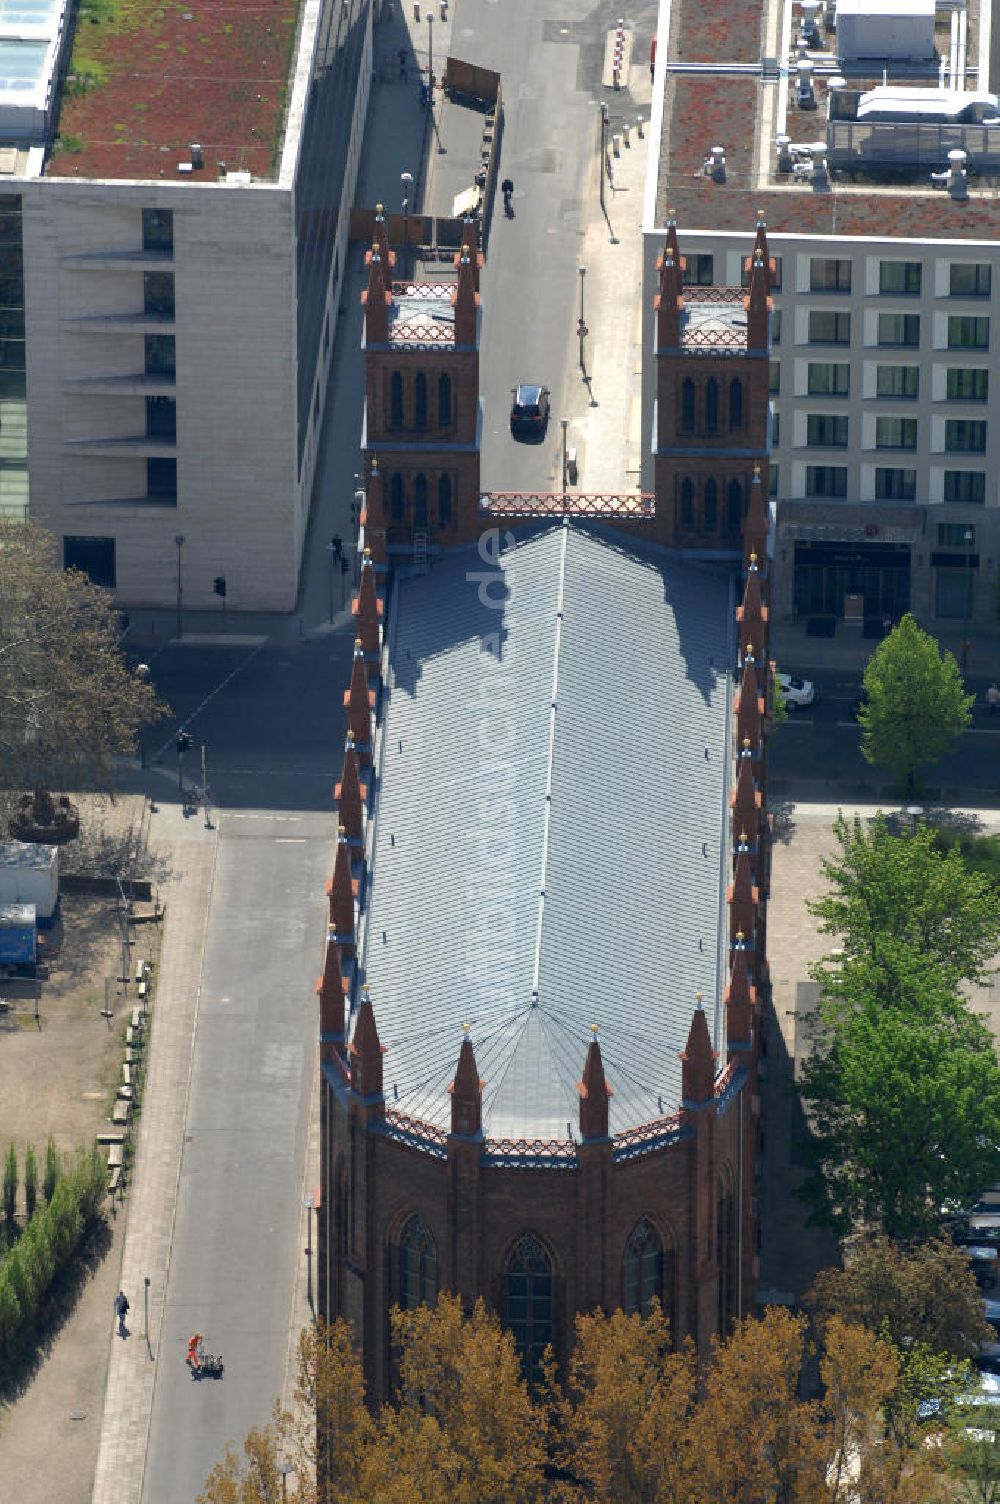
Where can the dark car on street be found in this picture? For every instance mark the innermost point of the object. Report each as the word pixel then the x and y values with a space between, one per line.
pixel 529 412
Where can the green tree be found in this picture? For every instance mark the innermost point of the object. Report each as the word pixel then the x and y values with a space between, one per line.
pixel 10 1313
pixel 905 1109
pixel 924 1292
pixel 902 891
pixel 915 703
pixel 30 1180
pixel 10 1183
pixel 69 704
pixel 52 1169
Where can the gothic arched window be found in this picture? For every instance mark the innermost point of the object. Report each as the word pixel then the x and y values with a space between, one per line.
pixel 711 404
pixel 397 498
pixel 711 507
pixel 528 1301
pixel 420 401
pixel 396 400
pixel 735 404
pixel 687 405
pixel 726 1255
pixel 734 506
pixel 417 1265
pixel 444 501
pixel 642 1272
pixel 420 501
pixel 687 505
pixel 444 400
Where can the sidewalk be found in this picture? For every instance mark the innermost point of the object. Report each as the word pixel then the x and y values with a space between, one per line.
pixel 152 1196
pixel 794 650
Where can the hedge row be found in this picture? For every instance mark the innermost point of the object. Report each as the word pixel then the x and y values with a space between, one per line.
pixel 48 1245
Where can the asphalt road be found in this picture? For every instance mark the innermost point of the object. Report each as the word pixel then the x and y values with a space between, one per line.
pixel 235 1242
pixel 270 720
pixel 819 746
pixel 550 60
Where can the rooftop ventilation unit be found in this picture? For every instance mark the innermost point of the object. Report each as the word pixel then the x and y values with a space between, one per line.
pixel 891 31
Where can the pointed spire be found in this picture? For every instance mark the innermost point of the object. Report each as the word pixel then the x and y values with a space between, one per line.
pixel 366 1050
pixel 672 245
pixel 465 301
pixel 668 301
pixel 368 609
pixel 359 702
pixel 746 801
pixel 376 298
pixel 741 997
pixel 595 1093
pixel 330 990
pixel 752 614
pixel 758 303
pixel 742 896
pixel 469 239
pixel 350 794
pixel 698 1062
pixel 760 240
pixel 757 525
pixel 749 705
pixel 342 890
pixel 467 1093
pixel 382 241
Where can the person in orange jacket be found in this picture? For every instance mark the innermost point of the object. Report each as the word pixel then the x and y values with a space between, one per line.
pixel 193 1359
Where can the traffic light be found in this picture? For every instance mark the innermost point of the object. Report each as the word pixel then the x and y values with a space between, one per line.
pixel 219 586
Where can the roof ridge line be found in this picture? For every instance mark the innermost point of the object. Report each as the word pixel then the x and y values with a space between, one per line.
pixel 550 756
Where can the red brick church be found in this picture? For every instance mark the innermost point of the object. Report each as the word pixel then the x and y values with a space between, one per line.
pixel 546 960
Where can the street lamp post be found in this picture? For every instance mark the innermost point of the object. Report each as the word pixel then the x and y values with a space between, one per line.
pixel 284 1468
pixel 406 179
pixel 565 424
pixel 604 137
pixel 430 56
pixel 335 549
pixel 179 541
pixel 970 538
pixel 581 327
pixel 307 1202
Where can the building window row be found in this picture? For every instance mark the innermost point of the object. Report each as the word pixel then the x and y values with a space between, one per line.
pixel 648 1274
pixel 702 405
pixel 411 409
pixel 966 279
pixel 826 431
pixel 409 500
pixel 700 504
pixel 828 379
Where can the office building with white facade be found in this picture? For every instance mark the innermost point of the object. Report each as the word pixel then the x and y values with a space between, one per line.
pixel 865 134
pixel 173 231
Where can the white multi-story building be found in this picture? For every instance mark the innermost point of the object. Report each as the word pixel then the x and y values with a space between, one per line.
pixel 170 265
pixel 882 207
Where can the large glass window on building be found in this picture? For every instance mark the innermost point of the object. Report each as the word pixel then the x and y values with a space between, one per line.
pixel 642 1272
pixel 528 1302
pixel 418 1268
pixel 13 367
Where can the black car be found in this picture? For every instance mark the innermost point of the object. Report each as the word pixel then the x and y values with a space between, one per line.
pixel 529 412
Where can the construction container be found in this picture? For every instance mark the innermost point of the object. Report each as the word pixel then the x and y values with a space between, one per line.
pixel 29 873
pixel 18 938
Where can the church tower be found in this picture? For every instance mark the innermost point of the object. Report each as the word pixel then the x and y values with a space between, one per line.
pixel 423 423
pixel 712 422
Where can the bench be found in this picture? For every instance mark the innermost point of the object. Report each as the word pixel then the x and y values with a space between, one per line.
pixel 110 1138
pixel 116 1156
pixel 137 1018
pixel 143 990
pixel 572 472
pixel 133 1038
pixel 131 1056
pixel 125 1093
pixel 121 1111
pixel 127 1075
pixel 114 1178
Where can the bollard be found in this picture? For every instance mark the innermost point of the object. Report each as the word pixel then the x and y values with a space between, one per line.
pixel 615 145
pixel 444 10
pixel 625 139
pixel 416 10
pixel 638 127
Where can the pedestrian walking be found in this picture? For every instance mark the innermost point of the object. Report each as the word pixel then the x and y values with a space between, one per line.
pixel 993 698
pixel 121 1311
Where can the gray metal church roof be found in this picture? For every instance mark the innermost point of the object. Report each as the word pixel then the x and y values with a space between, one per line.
pixel 551 840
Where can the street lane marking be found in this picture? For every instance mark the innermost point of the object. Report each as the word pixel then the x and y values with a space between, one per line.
pixel 291 840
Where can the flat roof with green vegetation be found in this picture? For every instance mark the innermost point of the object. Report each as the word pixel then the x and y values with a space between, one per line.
pixel 147 78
